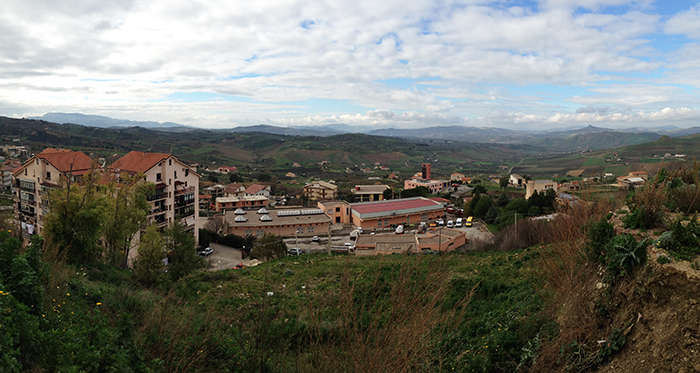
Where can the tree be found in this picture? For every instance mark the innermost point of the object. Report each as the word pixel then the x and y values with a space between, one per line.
pixel 180 247
pixel 503 200
pixel 503 182
pixel 216 224
pixel 388 193
pixel 74 226
pixel 128 208
pixel 479 189
pixel 269 247
pixel 148 267
pixel 473 203
pixel 264 178
pixel 492 214
pixel 483 206
pixel 235 178
pixel 420 191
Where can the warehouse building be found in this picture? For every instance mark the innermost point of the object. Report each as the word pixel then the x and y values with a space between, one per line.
pixel 385 214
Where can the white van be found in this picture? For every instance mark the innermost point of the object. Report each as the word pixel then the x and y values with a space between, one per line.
pixel 459 222
pixel 450 224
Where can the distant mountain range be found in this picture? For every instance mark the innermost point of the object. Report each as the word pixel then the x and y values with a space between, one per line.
pixel 561 139
pixel 107 122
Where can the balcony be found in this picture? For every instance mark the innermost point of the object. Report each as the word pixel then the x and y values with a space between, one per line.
pixel 157 196
pixel 28 213
pixel 184 191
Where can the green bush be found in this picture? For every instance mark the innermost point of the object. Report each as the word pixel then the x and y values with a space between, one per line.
pixel 599 235
pixel 682 240
pixel 624 254
pixel 663 259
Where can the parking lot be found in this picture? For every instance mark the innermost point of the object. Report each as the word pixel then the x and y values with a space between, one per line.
pixel 224 257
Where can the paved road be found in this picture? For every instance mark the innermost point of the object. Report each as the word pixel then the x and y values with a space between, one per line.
pixel 224 257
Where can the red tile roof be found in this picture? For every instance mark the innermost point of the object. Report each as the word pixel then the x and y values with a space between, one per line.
pixel 64 160
pixel 255 188
pixel 138 161
pixel 439 199
pixel 392 205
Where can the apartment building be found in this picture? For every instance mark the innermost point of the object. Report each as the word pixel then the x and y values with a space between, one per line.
pixel 41 173
pixel 176 196
pixel 321 190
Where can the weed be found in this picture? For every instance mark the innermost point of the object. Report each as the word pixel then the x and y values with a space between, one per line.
pixel 663 259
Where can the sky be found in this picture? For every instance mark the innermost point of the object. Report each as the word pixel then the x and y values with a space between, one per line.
pixel 524 65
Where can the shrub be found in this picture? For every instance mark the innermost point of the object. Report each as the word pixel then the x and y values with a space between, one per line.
pixel 682 240
pixel 599 235
pixel 624 253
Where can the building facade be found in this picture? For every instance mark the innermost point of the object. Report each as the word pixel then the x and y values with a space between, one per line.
pixel 369 193
pixel 540 186
pixel 443 239
pixel 338 211
pixel 321 190
pixel 43 172
pixel 385 214
pixel 434 186
pixel 176 196
pixel 224 204
pixel 283 223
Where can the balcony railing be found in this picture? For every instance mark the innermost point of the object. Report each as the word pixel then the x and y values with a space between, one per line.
pixel 157 196
pixel 184 190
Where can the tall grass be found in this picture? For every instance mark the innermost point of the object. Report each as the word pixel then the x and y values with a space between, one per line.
pixel 388 320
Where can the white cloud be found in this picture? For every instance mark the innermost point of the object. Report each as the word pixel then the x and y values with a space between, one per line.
pixel 127 57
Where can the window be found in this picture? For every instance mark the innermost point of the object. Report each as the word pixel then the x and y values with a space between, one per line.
pixel 424 217
pixel 337 209
pixel 408 219
pixel 48 175
pixel 170 181
pixel 170 162
pixel 379 223
pixel 310 230
pixel 175 174
pixel 187 172
pixel 159 177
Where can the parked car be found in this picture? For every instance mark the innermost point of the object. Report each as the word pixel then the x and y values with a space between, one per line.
pixel 239 266
pixel 441 223
pixel 450 210
pixel 315 239
pixel 469 221
pixel 450 224
pixel 294 251
pixel 459 222
pixel 206 252
pixel 349 245
pixel 459 212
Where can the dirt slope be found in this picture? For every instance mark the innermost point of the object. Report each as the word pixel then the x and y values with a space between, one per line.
pixel 660 309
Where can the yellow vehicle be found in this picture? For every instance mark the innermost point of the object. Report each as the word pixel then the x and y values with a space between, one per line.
pixel 468 223
pixel 433 226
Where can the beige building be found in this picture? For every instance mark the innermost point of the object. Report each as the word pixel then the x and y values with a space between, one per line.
pixel 443 239
pixel 176 197
pixel 321 190
pixel 284 223
pixel 40 174
pixel 369 193
pixel 540 186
